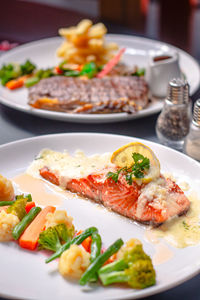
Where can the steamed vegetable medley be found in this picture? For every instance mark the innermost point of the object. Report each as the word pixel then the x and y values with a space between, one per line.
pixel 81 254
pixel 14 75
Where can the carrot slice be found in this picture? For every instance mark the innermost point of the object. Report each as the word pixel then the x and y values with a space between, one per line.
pixel 29 238
pixel 86 243
pixel 16 83
pixel 108 67
pixel 29 205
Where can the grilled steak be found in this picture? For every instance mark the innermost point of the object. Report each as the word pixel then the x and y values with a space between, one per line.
pixel 75 95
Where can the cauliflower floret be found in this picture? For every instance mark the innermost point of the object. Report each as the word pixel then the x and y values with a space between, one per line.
pixel 6 189
pixel 59 217
pixel 73 262
pixel 7 223
pixel 129 245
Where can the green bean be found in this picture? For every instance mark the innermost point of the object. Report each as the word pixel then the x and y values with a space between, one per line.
pixel 95 246
pixel 99 261
pixel 21 226
pixel 32 81
pixel 76 240
pixel 95 251
pixel 5 203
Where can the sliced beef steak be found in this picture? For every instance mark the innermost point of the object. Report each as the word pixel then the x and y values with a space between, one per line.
pixel 75 95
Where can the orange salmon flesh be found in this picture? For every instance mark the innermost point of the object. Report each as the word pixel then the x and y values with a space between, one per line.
pixel 151 203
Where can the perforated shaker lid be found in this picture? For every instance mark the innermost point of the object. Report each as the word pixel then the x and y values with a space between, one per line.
pixel 178 91
pixel 196 113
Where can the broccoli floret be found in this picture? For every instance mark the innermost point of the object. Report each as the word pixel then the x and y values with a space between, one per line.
pixel 52 237
pixel 134 268
pixel 18 208
pixel 27 68
pixel 65 234
pixel 49 239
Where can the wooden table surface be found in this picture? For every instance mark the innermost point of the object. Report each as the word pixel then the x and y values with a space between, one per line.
pixel 170 21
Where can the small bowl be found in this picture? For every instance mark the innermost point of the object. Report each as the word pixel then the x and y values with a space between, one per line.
pixel 161 69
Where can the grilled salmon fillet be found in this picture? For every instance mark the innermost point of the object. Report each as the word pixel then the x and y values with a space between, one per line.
pixel 153 203
pixel 97 95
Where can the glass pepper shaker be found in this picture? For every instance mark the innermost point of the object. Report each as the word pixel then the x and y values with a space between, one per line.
pixel 173 123
pixel 192 141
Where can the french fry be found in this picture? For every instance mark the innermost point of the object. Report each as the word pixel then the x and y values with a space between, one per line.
pixel 97 31
pixel 85 43
pixel 83 27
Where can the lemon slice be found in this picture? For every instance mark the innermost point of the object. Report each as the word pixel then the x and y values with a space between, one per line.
pixel 122 157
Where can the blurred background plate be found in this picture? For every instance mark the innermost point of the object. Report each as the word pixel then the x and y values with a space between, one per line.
pixel 43 54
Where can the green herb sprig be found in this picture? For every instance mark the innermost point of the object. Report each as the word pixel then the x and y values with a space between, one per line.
pixel 138 170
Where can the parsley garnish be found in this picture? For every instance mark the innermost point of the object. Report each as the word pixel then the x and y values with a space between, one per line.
pixel 138 170
pixel 141 164
pixel 113 175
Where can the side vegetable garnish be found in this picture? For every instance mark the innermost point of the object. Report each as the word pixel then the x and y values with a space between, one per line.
pixel 95 251
pixel 139 72
pixel 5 203
pixel 134 267
pixel 14 70
pixel 27 219
pixel 73 262
pixel 80 254
pixel 95 246
pixel 99 261
pixel 29 238
pixel 7 223
pixel 89 70
pixel 18 208
pixel 38 75
pixel 27 197
pixel 139 168
pixel 22 196
pixel 76 240
pixel 52 237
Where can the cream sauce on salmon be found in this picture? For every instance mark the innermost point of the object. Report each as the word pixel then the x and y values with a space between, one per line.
pixel 70 167
pixel 181 231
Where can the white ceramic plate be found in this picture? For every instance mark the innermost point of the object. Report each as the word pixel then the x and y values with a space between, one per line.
pixel 138 49
pixel 25 275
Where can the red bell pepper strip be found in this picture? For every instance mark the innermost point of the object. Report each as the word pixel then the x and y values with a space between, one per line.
pixel 29 205
pixel 110 65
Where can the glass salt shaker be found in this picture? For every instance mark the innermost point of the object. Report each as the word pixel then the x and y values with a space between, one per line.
pixel 173 123
pixel 192 141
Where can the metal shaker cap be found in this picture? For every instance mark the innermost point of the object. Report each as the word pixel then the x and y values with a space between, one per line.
pixel 178 91
pixel 196 113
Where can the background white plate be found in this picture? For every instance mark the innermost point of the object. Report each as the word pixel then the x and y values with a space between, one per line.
pixel 138 49
pixel 24 274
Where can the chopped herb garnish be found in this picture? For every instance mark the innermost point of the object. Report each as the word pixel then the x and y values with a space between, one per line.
pixel 186 226
pixel 138 170
pixel 114 176
pixel 38 157
pixel 141 164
